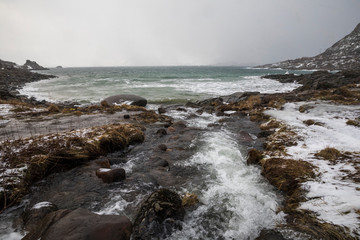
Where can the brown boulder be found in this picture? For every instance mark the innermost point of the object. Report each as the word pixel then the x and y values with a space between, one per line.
pixel 111 175
pixel 81 224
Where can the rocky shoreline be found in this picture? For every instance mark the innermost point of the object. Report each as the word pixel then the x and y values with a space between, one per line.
pixel 164 142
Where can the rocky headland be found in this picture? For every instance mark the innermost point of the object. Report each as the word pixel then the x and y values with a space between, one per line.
pixel 60 161
pixel 343 55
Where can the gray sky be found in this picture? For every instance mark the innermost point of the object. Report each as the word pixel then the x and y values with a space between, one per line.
pixel 170 32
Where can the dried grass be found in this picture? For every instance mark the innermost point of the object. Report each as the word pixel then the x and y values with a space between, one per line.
pixel 287 174
pixel 329 153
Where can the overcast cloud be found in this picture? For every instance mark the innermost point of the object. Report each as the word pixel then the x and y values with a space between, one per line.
pixel 170 32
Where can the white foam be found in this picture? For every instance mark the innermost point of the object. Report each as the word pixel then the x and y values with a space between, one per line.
pixel 238 203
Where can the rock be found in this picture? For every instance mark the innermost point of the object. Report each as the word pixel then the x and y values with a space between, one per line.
pixel 162 147
pixel 59 67
pixel 269 234
pixel 32 65
pixel 111 175
pixel 238 96
pixel 161 163
pixel 126 116
pixel 81 224
pixel 32 217
pixel 159 215
pixel 126 99
pixel 161 110
pixel 161 132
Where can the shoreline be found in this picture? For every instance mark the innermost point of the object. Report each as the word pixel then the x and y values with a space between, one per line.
pixel 271 157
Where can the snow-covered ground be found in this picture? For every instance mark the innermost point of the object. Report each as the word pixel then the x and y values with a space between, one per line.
pixel 335 195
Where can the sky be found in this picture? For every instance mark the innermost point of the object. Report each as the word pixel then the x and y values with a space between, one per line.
pixel 76 33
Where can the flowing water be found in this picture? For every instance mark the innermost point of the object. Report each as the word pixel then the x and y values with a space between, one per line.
pixel 236 201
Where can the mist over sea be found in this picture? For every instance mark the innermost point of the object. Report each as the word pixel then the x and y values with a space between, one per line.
pixel 160 85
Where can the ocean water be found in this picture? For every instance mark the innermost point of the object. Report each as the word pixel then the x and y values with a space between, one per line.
pixel 160 85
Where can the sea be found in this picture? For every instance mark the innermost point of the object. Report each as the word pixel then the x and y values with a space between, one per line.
pixel 236 201
pixel 159 85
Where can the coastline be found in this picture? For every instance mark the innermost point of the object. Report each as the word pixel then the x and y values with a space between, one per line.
pixel 273 155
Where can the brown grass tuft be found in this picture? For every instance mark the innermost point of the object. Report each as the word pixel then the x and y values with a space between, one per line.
pixel 353 123
pixel 189 200
pixel 53 108
pixel 287 174
pixel 329 154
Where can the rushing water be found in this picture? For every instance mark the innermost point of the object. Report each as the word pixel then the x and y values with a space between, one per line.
pixel 236 201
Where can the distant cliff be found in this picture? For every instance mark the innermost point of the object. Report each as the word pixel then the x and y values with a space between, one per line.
pixel 343 55
pixel 32 65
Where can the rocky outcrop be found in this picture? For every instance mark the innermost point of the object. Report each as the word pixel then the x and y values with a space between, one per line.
pixel 320 80
pixel 129 99
pixel 12 77
pixel 343 55
pixel 159 215
pixel 81 224
pixel 32 65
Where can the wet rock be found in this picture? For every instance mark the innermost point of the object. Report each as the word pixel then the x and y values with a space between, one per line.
pixel 161 132
pixel 111 175
pixel 254 156
pixel 179 125
pixel 161 163
pixel 162 147
pixel 81 224
pixel 161 110
pixel 33 216
pixel 126 99
pixel 159 215
pixel 269 234
pixel 238 96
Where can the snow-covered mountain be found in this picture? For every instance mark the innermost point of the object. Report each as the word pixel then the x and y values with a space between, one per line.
pixel 343 55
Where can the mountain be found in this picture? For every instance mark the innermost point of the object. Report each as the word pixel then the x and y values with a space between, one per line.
pixel 343 55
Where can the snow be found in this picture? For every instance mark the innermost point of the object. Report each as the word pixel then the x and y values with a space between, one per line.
pixel 41 205
pixel 333 196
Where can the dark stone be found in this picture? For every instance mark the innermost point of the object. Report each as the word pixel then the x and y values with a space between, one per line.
pixel 161 110
pixel 162 147
pixel 83 225
pixel 268 234
pixel 33 216
pixel 179 125
pixel 126 116
pixel 126 98
pixel 113 175
pixel 238 96
pixel 161 132
pixel 161 163
pixel 159 215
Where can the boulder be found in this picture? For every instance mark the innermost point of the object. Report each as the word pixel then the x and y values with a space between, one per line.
pixel 33 216
pixel 159 215
pixel 126 99
pixel 111 175
pixel 81 224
